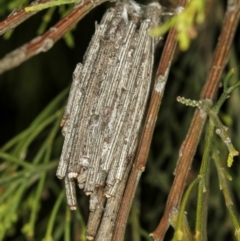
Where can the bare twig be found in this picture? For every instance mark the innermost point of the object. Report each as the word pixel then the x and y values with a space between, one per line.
pixel 144 146
pixel 222 50
pixel 46 41
pixel 16 18
pixel 106 228
pixel 190 143
pixel 95 216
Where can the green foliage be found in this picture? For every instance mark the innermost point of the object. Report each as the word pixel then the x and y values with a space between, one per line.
pixel 26 174
pixel 9 6
pixel 221 130
pixel 41 6
pixel 184 22
pixel 209 150
pixel 32 199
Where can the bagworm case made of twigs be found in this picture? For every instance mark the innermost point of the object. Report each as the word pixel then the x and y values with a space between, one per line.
pixel 107 102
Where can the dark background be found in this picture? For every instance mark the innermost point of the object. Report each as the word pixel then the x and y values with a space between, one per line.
pixel 26 90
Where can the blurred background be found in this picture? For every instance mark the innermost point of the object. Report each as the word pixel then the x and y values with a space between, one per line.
pixel 32 99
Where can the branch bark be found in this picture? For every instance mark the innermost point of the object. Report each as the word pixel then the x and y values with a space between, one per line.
pixel 46 41
pixel 145 143
pixel 16 18
pixel 189 145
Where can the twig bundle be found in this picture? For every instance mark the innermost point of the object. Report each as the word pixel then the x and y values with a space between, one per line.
pixel 106 106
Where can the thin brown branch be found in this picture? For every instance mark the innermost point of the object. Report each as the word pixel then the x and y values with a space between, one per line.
pixel 144 146
pixel 108 221
pixel 44 42
pixel 190 143
pixel 18 17
pixel 222 50
pixel 186 154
